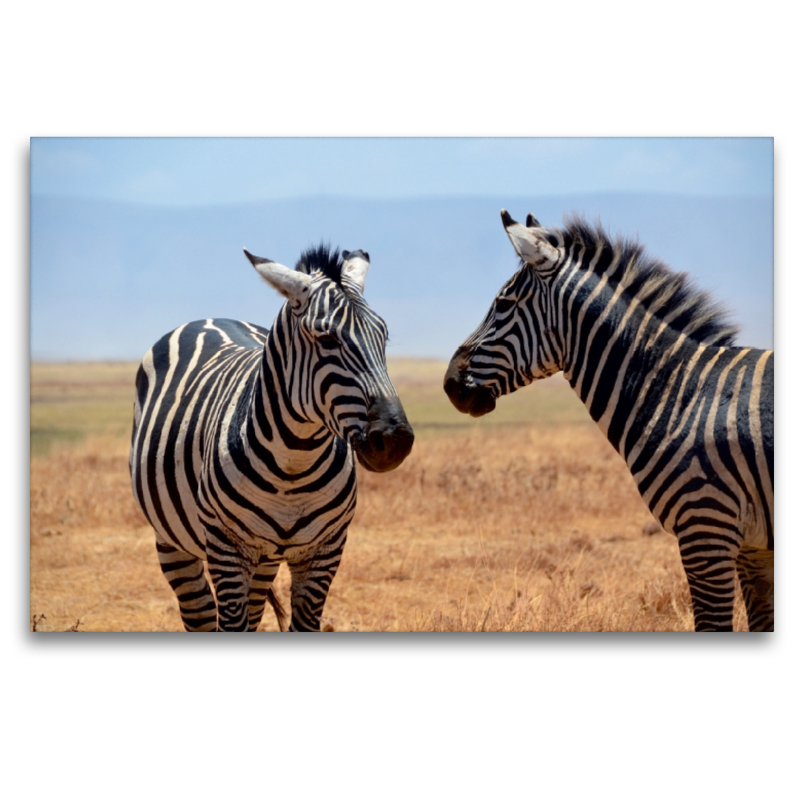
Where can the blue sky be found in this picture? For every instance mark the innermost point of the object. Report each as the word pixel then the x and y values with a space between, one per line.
pixel 199 171
pixel 691 200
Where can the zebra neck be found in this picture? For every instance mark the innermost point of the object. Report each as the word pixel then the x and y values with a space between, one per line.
pixel 286 443
pixel 623 362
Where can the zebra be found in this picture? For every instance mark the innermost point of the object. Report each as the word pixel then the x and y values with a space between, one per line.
pixel 653 360
pixel 242 452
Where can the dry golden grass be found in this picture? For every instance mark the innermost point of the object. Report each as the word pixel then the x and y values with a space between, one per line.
pixel 529 527
pixel 500 530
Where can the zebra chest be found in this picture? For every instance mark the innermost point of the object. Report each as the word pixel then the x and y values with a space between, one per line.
pixel 269 497
pixel 272 515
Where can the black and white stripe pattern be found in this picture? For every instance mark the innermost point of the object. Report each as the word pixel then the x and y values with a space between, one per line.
pixel 243 443
pixel 654 362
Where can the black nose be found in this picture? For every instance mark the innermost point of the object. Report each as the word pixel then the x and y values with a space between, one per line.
pixel 377 440
pixel 388 438
pixel 463 393
pixel 454 389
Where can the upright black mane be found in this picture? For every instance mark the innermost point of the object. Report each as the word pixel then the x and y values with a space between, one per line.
pixel 659 288
pixel 321 258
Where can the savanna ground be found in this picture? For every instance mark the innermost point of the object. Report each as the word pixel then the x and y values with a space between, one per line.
pixel 525 520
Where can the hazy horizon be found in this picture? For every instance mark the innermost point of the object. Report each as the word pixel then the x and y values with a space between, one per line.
pixel 109 278
pixel 131 237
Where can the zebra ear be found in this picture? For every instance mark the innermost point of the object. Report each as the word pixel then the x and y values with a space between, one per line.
pixel 291 284
pixel 532 222
pixel 355 267
pixel 531 248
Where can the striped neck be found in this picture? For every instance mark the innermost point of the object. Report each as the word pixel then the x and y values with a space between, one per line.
pixel 288 443
pixel 626 323
pixel 619 354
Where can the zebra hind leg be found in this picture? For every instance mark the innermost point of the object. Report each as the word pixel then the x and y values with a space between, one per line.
pixel 186 576
pixel 262 591
pixel 756 570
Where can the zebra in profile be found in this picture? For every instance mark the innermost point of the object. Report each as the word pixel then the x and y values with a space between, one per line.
pixel 653 361
pixel 243 443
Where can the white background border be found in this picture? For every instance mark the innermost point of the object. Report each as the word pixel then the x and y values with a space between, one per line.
pixel 395 716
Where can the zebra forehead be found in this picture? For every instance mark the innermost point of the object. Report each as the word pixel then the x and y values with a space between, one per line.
pixel 322 263
pixel 337 302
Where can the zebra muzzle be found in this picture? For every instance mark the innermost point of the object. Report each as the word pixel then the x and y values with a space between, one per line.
pixel 387 439
pixel 464 394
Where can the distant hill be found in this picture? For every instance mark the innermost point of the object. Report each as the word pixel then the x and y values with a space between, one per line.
pixel 107 279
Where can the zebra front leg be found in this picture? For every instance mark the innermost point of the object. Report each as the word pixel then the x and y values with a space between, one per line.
pixel 311 581
pixel 231 572
pixel 187 578
pixel 756 569
pixel 261 590
pixel 711 584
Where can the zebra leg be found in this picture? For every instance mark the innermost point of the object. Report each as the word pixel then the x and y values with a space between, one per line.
pixel 261 590
pixel 712 580
pixel 311 581
pixel 756 570
pixel 187 578
pixel 231 573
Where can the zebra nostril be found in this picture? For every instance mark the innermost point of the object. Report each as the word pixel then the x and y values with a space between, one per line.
pixel 388 437
pixel 376 441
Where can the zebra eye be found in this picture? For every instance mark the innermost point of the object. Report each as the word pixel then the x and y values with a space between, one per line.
pixel 328 340
pixel 504 305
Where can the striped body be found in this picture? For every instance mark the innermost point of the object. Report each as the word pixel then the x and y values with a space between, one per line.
pixel 242 453
pixel 192 465
pixel 653 362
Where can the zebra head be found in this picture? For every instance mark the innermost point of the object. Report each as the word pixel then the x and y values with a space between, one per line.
pixel 333 348
pixel 516 343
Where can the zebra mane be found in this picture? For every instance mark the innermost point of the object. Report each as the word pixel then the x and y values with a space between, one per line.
pixel 322 259
pixel 661 290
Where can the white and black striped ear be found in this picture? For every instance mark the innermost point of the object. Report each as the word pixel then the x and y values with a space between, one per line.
pixel 531 247
pixel 356 266
pixel 291 284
